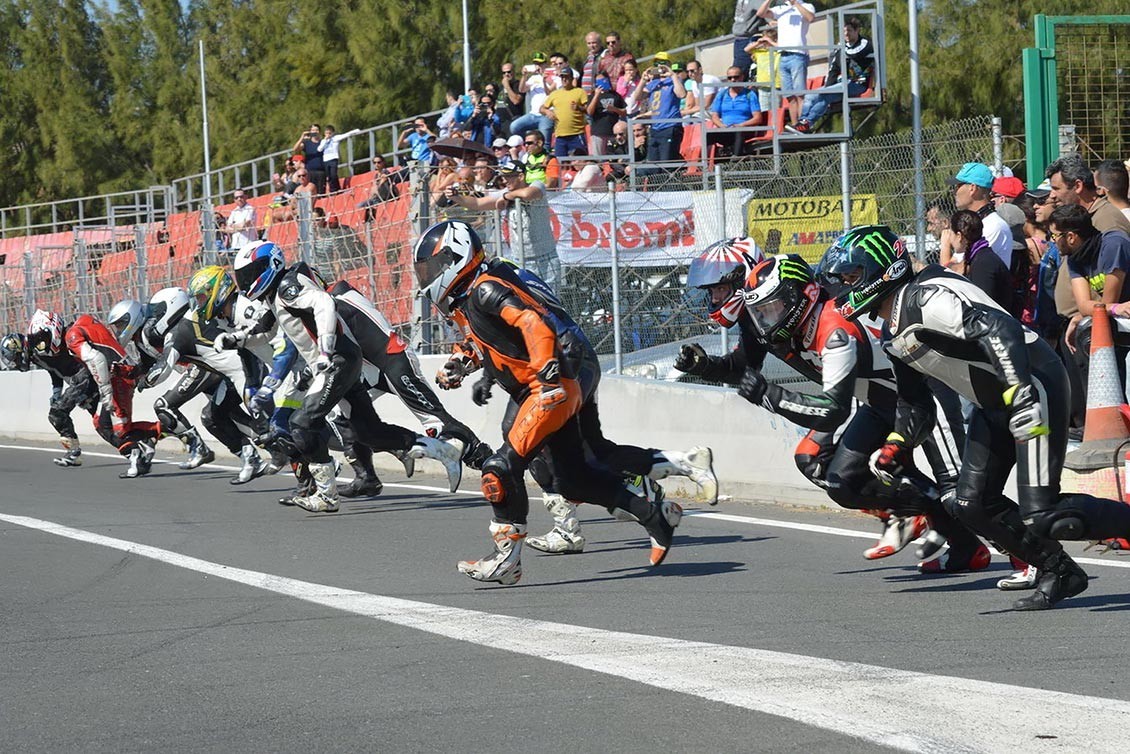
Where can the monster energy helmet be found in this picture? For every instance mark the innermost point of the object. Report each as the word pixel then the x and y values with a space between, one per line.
pixel 780 295
pixel 867 264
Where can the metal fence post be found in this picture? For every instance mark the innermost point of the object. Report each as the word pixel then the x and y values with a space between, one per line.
pixel 208 231
pixel 29 284
pixel 614 247
pixel 498 232
pixel 845 182
pixel 305 228
pixel 998 147
pixel 84 298
pixel 520 231
pixel 139 248
pixel 720 196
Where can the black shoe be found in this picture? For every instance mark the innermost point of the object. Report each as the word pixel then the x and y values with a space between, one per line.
pixel 660 526
pixel 362 487
pixel 1060 577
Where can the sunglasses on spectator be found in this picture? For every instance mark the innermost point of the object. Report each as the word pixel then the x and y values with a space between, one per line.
pixel 301 175
pixel 611 42
pixel 529 143
pixel 733 78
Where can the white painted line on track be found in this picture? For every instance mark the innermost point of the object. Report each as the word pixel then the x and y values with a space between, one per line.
pixel 728 517
pixel 905 710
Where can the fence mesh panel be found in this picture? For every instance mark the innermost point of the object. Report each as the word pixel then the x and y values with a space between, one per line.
pixel 1094 87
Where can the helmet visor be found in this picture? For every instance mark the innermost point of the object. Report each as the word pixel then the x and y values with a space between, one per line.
pixel 706 272
pixel 767 315
pixel 841 270
pixel 429 270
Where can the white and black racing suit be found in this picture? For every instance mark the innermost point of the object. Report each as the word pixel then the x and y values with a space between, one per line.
pixel 943 326
pixel 851 417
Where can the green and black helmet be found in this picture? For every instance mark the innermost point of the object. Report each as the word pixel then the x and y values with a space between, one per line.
pixel 863 267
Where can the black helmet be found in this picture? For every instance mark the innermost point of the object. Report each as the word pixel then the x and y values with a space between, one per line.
pixel 14 352
pixel 863 267
pixel 779 295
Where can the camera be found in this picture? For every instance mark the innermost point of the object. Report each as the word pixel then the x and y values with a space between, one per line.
pixel 529 68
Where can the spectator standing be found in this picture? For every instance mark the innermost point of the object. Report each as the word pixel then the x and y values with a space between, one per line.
pixel 972 185
pixel 982 266
pixel 614 58
pixel 485 124
pixel 1038 311
pixel 664 93
pixel 241 227
pixel 606 108
pixel 512 101
pixel 329 147
pixel 735 107
pixel 767 67
pixel 938 214
pixel 533 86
pixel 793 18
pixel 1112 182
pixel 1006 189
pixel 859 53
pixel 540 166
pixel 565 106
pixel 701 88
pixel 747 22
pixel 527 214
pixel 626 86
pixel 307 145
pixel 591 66
pixel 419 140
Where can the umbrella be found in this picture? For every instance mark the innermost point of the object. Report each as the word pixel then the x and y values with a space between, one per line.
pixel 463 149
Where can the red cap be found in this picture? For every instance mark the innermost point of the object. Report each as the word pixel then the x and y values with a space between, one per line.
pixel 1009 186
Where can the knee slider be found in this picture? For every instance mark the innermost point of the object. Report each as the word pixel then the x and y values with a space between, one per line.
pixel 812 467
pixel 497 477
pixel 1053 524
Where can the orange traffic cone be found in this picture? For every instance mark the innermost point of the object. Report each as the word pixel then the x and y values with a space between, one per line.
pixel 1094 463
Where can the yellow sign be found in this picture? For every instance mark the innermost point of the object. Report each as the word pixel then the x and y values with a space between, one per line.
pixel 805 225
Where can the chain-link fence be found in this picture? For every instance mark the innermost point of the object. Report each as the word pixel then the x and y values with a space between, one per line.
pixel 626 288
pixel 1094 85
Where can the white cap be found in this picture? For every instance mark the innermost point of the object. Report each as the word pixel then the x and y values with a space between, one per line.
pixel 514 141
pixel 499 142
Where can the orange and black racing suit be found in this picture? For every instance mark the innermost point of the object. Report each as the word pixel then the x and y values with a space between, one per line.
pixel 536 359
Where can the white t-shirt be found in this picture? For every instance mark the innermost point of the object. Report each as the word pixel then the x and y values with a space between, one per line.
pixel 792 29
pixel 535 93
pixel 239 216
pixel 996 231
pixel 710 85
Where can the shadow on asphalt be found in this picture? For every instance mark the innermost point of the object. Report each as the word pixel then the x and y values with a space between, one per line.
pixel 637 543
pixel 675 569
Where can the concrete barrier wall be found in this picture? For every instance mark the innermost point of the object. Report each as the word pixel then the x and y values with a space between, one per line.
pixel 753 450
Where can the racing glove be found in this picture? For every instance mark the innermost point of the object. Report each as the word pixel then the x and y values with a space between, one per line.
pixel 753 386
pixel 324 363
pixel 229 341
pixel 263 402
pixel 549 378
pixel 480 391
pixel 888 462
pixel 453 371
pixel 1026 419
pixel 692 359
pixel 477 454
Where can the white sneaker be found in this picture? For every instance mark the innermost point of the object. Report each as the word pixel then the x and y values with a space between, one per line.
pixel 504 565
pixel 897 534
pixel 134 469
pixel 565 536
pixel 447 452
pixel 1023 579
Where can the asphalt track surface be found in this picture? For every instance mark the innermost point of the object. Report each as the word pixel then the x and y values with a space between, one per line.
pixel 178 612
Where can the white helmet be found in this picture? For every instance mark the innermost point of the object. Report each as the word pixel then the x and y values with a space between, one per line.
pixel 167 307
pixel 446 258
pixel 125 319
pixel 45 332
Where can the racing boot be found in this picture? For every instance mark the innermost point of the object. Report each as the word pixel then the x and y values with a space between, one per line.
pixel 1024 576
pixel 198 452
pixel 447 452
pixel 324 497
pixel 252 467
pixel 409 461
pixel 898 532
pixel 932 545
pixel 1060 577
pixel 504 565
pixel 134 469
pixel 697 464
pixel 565 536
pixel 73 456
pixel 148 449
pixel 638 485
pixel 277 463
pixel 365 483
pixel 659 518
pixel 305 484
pixel 955 562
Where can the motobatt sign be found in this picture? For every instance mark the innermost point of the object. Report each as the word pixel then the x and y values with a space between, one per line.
pixel 655 228
pixel 806 225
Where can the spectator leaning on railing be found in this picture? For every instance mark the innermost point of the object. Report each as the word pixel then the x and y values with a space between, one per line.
pixel 793 18
pixel 736 106
pixel 539 165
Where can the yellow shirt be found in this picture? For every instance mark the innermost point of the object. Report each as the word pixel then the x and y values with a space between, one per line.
pixel 569 107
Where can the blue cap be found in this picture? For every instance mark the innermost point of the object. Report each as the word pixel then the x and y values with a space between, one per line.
pixel 975 173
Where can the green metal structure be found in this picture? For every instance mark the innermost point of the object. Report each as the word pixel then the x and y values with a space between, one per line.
pixel 1077 75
